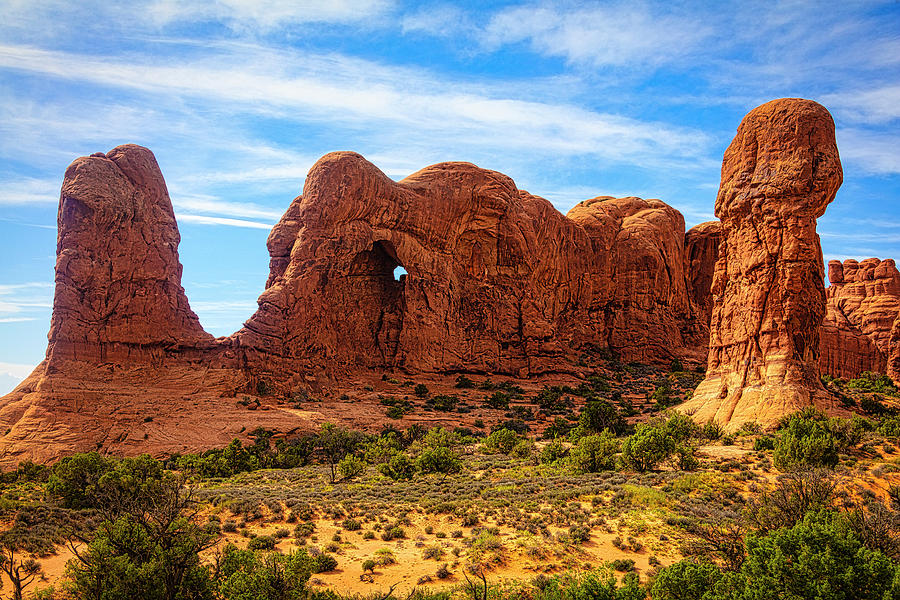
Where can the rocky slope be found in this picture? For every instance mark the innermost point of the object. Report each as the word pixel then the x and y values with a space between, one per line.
pixel 779 173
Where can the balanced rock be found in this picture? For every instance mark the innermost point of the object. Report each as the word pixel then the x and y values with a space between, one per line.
pixel 778 175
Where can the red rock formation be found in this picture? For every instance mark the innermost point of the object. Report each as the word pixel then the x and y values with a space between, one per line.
pixel 865 298
pixel 845 351
pixel 497 279
pixel 893 362
pixel 118 278
pixel 779 173
pixel 701 251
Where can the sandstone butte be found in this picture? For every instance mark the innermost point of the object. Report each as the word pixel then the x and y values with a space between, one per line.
pixel 498 282
pixel 778 175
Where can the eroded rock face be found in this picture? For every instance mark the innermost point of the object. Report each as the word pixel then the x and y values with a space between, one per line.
pixel 701 251
pixel 497 280
pixel 778 175
pixel 118 278
pixel 866 296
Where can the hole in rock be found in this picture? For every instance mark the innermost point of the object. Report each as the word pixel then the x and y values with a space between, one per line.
pixel 378 282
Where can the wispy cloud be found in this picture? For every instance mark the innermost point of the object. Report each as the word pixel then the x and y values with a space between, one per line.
pixel 617 35
pixel 345 90
pixel 210 220
pixel 266 14
pixel 29 191
pixel 23 301
pixel 18 371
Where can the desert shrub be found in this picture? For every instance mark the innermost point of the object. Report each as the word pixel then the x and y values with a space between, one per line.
pixel 74 479
pixel 553 451
pixel 685 455
pixel 764 442
pixel 594 453
pixel 433 553
pixel 351 466
pixel 579 533
pixel 502 441
pixel 464 383
pixel 711 431
pixel 498 399
pixel 443 403
pixel 523 449
pixel 399 467
pixel 651 444
pixel 351 525
pixel 420 390
pixel 794 495
pixel 440 460
pixel 873 382
pixel 443 572
pixel 394 412
pixel 323 563
pixel 806 439
pixel 304 530
pixel 686 580
pixel 622 564
pixel 368 565
pixel 890 427
pixel 598 415
pixel 385 557
pixel 246 575
pixel 262 542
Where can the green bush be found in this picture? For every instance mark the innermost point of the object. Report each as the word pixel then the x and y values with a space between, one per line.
pixel 502 441
pixel 594 453
pixel 247 575
pixel 806 439
pixel 262 542
pixel 324 563
pixel 421 390
pixel 351 466
pixel 553 451
pixel 398 467
pixel 686 580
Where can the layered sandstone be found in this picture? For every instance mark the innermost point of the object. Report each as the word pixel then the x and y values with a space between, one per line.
pixel 701 251
pixel 865 296
pixel 778 175
pixel 497 280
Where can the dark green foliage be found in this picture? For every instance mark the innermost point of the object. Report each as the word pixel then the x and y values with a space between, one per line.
pixel 654 442
pixel 440 460
pixel 74 479
pixel 498 399
pixel 594 453
pixel 598 415
pixel 464 383
pixel 398 467
pixel 806 438
pixel 686 580
pixel 262 542
pixel 875 406
pixel 873 382
pixel 421 390
pixel 248 575
pixel 443 403
pixel 502 440
pixel 324 563
pixel 764 442
pixel 553 451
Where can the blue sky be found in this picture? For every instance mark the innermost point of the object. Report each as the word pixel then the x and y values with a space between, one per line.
pixel 238 98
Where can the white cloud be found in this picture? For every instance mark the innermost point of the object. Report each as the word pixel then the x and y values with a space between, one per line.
pixel 198 205
pixel 870 151
pixel 873 106
pixel 362 94
pixel 29 191
pixel 209 220
pixel 622 34
pixel 19 301
pixel 266 14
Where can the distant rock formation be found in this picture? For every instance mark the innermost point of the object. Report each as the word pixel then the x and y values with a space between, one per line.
pixel 778 175
pixel 701 251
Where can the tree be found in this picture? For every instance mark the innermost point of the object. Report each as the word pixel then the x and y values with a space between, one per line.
pixel 598 415
pixel 335 443
pixel 650 445
pixel 20 571
pixel 74 479
pixel 148 548
pixel 351 466
pixel 502 441
pixel 441 460
pixel 594 453
pixel 819 558
pixel 686 580
pixel 806 439
pixel 249 575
